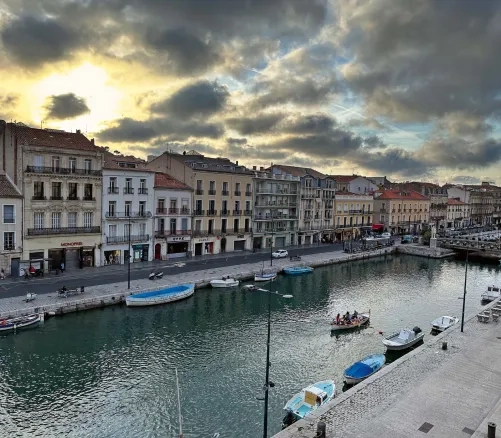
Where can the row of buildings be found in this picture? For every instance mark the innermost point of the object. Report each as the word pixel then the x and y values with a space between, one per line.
pixel 65 199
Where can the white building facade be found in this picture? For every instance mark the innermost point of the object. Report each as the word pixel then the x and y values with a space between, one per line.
pixel 172 215
pixel 127 219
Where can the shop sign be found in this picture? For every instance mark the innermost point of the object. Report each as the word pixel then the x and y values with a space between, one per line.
pixel 71 244
pixel 203 239
pixel 178 239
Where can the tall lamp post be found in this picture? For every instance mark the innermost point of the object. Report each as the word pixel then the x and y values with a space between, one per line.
pixel 128 261
pixel 464 293
pixel 271 239
pixel 267 383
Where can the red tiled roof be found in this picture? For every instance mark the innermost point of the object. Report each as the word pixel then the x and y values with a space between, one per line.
pixel 344 178
pixel 52 138
pixel 300 171
pixel 405 194
pixel 452 201
pixel 112 161
pixel 164 181
pixel 7 188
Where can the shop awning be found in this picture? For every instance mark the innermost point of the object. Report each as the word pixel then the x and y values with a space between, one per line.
pixel 377 227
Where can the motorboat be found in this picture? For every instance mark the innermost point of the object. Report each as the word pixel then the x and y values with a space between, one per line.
pixel 364 368
pixel 21 322
pixel 361 320
pixel 225 282
pixel 493 293
pixel 250 287
pixel 161 296
pixel 265 276
pixel 298 270
pixel 403 339
pixel 308 400
pixel 443 323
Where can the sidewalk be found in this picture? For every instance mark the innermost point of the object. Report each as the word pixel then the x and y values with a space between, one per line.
pixel 429 392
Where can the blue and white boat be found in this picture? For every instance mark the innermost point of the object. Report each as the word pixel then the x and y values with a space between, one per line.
pixel 265 276
pixel 308 400
pixel 298 270
pixel 364 368
pixel 21 322
pixel 161 296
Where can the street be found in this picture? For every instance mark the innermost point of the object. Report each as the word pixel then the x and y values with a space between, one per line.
pixel 118 273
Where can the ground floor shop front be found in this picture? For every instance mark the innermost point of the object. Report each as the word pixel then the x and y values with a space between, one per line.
pixel 119 254
pixel 62 253
pixel 218 244
pixel 172 247
pixel 277 240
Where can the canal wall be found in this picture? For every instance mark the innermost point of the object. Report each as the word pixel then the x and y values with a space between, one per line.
pixel 425 251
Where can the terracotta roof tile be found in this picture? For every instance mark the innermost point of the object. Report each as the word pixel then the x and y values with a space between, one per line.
pixel 164 181
pixel 452 201
pixel 404 194
pixel 112 161
pixel 344 178
pixel 7 188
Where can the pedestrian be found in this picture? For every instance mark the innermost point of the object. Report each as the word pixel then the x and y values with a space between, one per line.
pixel 62 267
pixel 2 275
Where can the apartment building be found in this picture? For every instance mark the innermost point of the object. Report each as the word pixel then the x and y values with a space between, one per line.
pixel 401 212
pixel 128 202
pixel 354 184
pixel 60 176
pixel 316 210
pixel 173 202
pixel 353 214
pixel 457 213
pixel 11 201
pixel 479 200
pixel 276 208
pixel 221 209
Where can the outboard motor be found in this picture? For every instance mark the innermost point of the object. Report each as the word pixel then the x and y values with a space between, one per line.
pixel 159 275
pixel 152 275
pixel 416 330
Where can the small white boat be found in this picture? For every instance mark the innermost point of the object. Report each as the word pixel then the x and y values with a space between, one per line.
pixel 250 287
pixel 225 282
pixel 403 339
pixel 493 293
pixel 161 296
pixel 21 322
pixel 270 276
pixel 443 323
pixel 361 320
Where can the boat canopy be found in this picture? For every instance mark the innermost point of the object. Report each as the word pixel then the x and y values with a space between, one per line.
pixel 312 394
pixel 404 335
pixel 359 370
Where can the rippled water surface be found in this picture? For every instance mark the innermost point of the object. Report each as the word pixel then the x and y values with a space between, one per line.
pixel 110 373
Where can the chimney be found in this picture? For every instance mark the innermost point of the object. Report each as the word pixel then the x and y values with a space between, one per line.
pixel 236 162
pixel 261 169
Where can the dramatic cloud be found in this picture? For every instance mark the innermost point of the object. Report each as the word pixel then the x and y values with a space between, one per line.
pixel 254 125
pixel 236 141
pixel 202 98
pixel 462 179
pixel 32 41
pixel 310 124
pixel 65 106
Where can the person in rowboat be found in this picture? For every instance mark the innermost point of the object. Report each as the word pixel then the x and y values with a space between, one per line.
pixel 338 318
pixel 355 314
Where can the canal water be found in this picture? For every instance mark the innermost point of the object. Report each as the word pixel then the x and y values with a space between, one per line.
pixel 110 373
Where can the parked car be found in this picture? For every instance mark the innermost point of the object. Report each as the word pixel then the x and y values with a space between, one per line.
pixel 280 254
pixel 406 239
pixel 386 235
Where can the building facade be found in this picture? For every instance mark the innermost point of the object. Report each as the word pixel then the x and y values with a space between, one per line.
pixel 457 214
pixel 354 184
pixel 173 203
pixel 353 215
pixel 128 202
pixel 60 176
pixel 439 210
pixel 479 200
pixel 11 201
pixel 222 200
pixel 401 212
pixel 276 208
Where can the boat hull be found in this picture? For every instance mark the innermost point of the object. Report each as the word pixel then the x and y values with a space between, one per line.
pixel 297 271
pixel 265 277
pixel 13 324
pixel 299 410
pixel 223 283
pixel 371 365
pixel 162 296
pixel 346 327
pixel 440 325
pixel 398 347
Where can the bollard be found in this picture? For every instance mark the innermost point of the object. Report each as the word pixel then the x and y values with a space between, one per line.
pixel 321 430
pixel 444 345
pixel 491 430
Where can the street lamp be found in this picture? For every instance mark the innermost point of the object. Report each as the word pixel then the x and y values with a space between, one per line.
pixel 267 383
pixel 271 239
pixel 464 293
pixel 128 261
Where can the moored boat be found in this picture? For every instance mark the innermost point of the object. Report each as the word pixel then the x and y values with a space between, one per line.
pixel 265 276
pixel 225 282
pixel 161 296
pixel 364 368
pixel 361 320
pixel 493 293
pixel 298 270
pixel 403 339
pixel 443 323
pixel 21 322
pixel 308 400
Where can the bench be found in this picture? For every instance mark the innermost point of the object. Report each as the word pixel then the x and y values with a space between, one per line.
pixel 482 317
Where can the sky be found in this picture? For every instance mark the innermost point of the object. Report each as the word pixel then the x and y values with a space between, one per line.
pixel 410 89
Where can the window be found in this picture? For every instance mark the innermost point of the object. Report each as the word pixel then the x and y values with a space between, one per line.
pixel 112 230
pixel 72 219
pixel 247 206
pixel 112 208
pixel 56 220
pixel 72 165
pixel 248 190
pixel 247 225
pixel 237 189
pixel 128 186
pixel 236 223
pixel 9 241
pixel 38 162
pixel 224 207
pixel 212 206
pixel 224 225
pixel 128 208
pixel 127 230
pixel 38 220
pixel 184 224
pixel 199 206
pixel 142 208
pixel 56 191
pixel 198 225
pixel 9 214
pixel 142 187
pixel 87 219
pixel 212 185
pixel 142 229
pixel 88 192
pixel 72 191
pixel 172 226
pixel 237 207
pixel 173 203
pixel 88 166
pixel 199 184
pixel 113 182
pixel 55 164
pixel 38 190
pixel 161 205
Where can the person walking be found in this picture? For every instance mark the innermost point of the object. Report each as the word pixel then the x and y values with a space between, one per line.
pixel 62 267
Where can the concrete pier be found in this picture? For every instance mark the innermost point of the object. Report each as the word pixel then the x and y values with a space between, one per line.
pixel 429 392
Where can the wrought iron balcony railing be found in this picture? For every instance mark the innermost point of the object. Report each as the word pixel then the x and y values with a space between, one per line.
pixel 63 230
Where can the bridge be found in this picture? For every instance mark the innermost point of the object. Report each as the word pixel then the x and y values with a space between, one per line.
pixel 478 248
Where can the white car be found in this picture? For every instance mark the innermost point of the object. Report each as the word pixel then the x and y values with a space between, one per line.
pixel 281 253
pixel 386 235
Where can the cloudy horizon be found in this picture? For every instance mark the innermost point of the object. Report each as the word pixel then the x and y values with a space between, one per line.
pixel 408 89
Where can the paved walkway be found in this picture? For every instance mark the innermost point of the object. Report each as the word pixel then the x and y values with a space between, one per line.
pixel 428 393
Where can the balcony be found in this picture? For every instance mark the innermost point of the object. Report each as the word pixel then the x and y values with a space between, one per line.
pixel 142 191
pixel 56 170
pixel 56 198
pixel 225 193
pixel 89 198
pixel 167 233
pixel 116 240
pixel 237 212
pixel 248 193
pixel 7 247
pixel 199 192
pixel 128 191
pixel 211 212
pixel 225 212
pixel 205 233
pixel 128 215
pixel 38 198
pixel 357 211
pixel 113 190
pixel 212 192
pixel 199 213
pixel 65 230
pixel 238 193
pixel 247 212
pixel 73 198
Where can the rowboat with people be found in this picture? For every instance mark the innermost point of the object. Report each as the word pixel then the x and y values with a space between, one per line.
pixel 350 322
